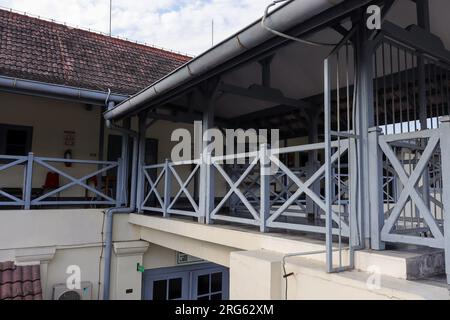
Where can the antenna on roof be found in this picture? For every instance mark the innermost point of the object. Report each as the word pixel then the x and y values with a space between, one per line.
pixel 110 18
pixel 212 33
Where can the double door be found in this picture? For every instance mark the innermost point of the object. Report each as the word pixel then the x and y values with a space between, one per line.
pixel 194 282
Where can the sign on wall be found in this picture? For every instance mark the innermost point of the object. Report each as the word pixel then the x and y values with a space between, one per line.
pixel 69 138
pixel 183 258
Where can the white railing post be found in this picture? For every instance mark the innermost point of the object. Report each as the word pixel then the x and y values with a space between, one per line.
pixel 202 189
pixel 376 199
pixel 167 188
pixel 264 164
pixel 28 187
pixel 140 190
pixel 119 184
pixel 445 171
pixel 210 189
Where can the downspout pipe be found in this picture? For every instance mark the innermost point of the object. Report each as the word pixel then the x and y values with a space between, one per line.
pixel 110 213
pixel 110 219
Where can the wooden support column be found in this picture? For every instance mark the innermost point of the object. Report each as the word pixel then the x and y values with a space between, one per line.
pixel 445 167
pixel 423 19
pixel 207 181
pixel 266 74
pixel 376 190
pixel 123 199
pixel 313 163
pixel 364 120
pixel 141 161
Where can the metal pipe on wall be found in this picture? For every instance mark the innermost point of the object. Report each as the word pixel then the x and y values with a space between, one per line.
pixel 110 219
pixel 119 210
pixel 56 90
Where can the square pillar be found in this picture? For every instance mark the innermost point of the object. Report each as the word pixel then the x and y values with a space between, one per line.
pixel 256 275
pixel 127 280
pixel 445 171
pixel 376 199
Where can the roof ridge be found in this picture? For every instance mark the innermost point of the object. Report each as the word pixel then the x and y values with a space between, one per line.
pixel 93 31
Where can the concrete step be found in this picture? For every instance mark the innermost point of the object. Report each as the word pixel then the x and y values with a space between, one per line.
pixel 311 282
pixel 413 264
pixel 259 274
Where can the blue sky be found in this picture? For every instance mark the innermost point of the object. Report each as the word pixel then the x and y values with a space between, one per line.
pixel 180 25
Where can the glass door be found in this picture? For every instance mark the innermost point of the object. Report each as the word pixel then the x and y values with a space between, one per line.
pixel 172 286
pixel 210 284
pixel 192 282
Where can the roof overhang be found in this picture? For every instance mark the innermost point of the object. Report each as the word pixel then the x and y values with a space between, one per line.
pixel 295 17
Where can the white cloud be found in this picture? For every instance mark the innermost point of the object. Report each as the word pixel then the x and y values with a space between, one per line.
pixel 181 25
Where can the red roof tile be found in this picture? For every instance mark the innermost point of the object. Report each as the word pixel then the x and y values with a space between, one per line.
pixel 20 282
pixel 35 49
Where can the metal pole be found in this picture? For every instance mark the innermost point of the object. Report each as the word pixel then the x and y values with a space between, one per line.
pixel 328 177
pixel 376 190
pixel 167 188
pixel 125 163
pixel 364 120
pixel 445 168
pixel 29 181
pixel 313 137
pixel 423 20
pixel 264 164
pixel 119 182
pixel 110 18
pixel 207 184
pixel 209 187
pixel 141 161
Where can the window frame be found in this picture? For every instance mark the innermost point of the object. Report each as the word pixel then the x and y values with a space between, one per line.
pixel 4 128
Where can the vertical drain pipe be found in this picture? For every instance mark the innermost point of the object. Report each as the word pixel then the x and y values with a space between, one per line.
pixel 110 219
pixel 119 210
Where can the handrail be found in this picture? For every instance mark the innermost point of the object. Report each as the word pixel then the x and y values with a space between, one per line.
pixel 29 161
pixel 259 205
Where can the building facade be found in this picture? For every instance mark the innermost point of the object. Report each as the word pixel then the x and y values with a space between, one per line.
pixel 356 204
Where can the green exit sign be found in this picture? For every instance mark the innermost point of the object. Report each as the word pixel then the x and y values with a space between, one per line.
pixel 140 268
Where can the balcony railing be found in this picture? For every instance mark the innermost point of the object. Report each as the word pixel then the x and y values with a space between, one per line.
pixel 91 189
pixel 263 191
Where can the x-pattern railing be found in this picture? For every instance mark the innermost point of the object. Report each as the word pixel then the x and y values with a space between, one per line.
pixel 153 187
pixel 183 185
pixel 168 174
pixel 286 188
pixel 234 188
pixel 52 197
pixel 305 187
pixel 14 161
pixel 410 190
pixel 259 204
pixel 342 183
pixel 102 197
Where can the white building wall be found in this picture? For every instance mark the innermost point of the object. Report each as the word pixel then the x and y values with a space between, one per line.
pixel 58 239
pixel 49 119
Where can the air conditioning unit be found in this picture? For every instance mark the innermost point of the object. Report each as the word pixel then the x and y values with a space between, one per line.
pixel 60 292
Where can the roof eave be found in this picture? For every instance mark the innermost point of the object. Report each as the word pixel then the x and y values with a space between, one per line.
pixel 290 15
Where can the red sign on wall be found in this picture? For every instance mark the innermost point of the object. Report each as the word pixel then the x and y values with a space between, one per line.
pixel 69 138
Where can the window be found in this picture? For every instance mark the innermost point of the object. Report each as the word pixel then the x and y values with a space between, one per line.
pixel 190 282
pixel 209 286
pixel 15 140
pixel 167 289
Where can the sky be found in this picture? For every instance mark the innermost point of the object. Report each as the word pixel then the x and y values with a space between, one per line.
pixel 180 25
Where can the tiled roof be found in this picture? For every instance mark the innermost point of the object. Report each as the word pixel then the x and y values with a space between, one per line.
pixel 20 282
pixel 40 50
